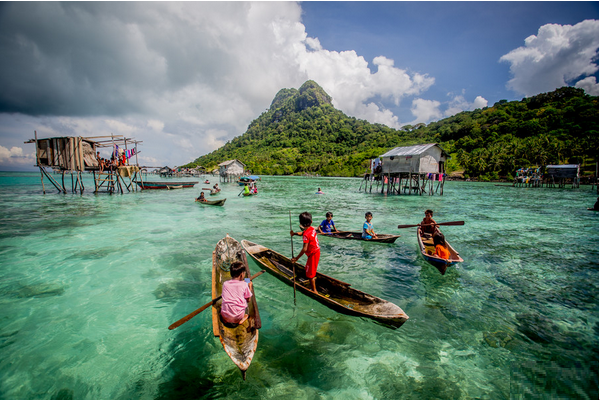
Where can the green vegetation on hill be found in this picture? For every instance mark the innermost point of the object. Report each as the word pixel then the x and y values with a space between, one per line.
pixel 303 133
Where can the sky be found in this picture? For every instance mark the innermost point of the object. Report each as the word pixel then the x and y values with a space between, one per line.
pixel 186 77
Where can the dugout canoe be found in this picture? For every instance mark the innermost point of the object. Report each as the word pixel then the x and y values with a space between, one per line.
pixel 212 202
pixel 426 245
pixel 164 185
pixel 335 294
pixel 381 238
pixel 239 341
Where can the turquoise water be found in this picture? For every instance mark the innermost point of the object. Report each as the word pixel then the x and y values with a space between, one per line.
pixel 90 283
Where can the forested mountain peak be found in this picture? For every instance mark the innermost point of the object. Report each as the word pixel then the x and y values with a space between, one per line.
pixel 309 95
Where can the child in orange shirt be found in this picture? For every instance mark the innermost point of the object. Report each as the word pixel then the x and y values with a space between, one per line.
pixel 441 247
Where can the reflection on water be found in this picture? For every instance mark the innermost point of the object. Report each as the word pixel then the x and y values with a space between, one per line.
pixel 90 283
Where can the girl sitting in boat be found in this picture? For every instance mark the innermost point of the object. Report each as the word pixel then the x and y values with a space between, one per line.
pixel 441 247
pixel 236 294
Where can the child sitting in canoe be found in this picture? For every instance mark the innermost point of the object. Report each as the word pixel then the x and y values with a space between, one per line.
pixel 367 230
pixel 236 294
pixel 441 247
pixel 428 226
pixel 327 226
pixel 201 198
pixel 311 248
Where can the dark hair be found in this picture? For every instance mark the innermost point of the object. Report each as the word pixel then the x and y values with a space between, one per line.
pixel 439 238
pixel 305 219
pixel 236 269
pixel 429 212
pixel 329 214
pixel 368 213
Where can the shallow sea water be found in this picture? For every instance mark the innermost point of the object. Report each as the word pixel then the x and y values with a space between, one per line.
pixel 90 283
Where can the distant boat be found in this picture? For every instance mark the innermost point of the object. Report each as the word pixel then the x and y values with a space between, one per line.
pixel 248 179
pixel 212 202
pixel 165 185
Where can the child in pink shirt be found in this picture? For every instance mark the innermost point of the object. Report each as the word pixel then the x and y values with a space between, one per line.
pixel 236 294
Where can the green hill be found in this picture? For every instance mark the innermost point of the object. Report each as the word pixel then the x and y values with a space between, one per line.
pixel 302 132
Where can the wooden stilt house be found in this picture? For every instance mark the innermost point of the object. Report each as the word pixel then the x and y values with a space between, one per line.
pixel 231 170
pixel 75 155
pixel 418 169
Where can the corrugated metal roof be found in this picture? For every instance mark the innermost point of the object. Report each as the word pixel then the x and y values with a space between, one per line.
pixel 409 150
pixel 228 162
pixel 564 166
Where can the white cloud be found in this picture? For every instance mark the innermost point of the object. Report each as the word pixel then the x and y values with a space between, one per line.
pixel 183 77
pixel 425 110
pixel 459 104
pixel 588 84
pixel 559 55
pixel 15 156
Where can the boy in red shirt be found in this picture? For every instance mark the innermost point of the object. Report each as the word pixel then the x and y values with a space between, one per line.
pixel 311 248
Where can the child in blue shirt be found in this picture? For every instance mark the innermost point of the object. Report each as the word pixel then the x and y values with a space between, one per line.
pixel 327 226
pixel 367 230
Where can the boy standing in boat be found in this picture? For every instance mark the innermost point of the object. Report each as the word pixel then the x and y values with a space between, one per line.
pixel 311 248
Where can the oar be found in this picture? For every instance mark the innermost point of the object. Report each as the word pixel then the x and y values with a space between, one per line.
pixel 204 307
pixel 240 192
pixel 292 241
pixel 439 223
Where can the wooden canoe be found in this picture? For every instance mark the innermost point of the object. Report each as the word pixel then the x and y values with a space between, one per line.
pixel 239 341
pixel 426 245
pixel 335 294
pixel 381 238
pixel 212 202
pixel 165 185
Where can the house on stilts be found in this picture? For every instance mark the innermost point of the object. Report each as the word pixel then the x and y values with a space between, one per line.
pixel 231 170
pixel 74 155
pixel 418 169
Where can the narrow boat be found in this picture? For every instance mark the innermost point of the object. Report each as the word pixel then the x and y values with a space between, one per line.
pixel 239 340
pixel 215 192
pixel 164 185
pixel 426 246
pixel 248 179
pixel 381 238
pixel 335 294
pixel 212 202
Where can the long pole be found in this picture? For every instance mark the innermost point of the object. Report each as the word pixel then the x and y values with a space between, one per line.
pixel 294 264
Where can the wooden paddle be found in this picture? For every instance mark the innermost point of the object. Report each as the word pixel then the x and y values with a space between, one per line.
pixel 294 272
pixel 439 223
pixel 204 307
